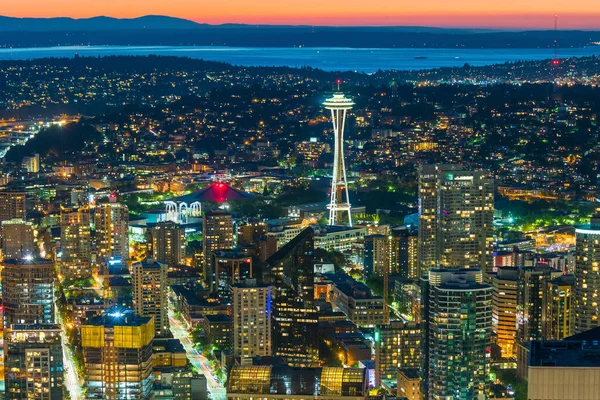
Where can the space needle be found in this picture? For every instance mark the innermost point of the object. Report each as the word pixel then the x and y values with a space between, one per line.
pixel 339 104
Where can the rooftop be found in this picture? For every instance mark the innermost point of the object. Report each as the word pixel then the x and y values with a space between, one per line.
pixel 218 192
pixel 117 316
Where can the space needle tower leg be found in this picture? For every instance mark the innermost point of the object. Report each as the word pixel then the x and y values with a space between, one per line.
pixel 339 201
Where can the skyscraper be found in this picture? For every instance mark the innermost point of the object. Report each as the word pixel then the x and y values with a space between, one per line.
pixel 251 320
pixel 117 349
pixel 150 291
pixel 75 257
pixel 295 318
pixel 456 209
pixel 504 308
pixel 217 232
pixel 18 238
pixel 404 253
pixel 339 106
pixel 12 205
pixel 558 313
pixel 460 327
pixel 168 242
pixel 112 230
pixel 376 259
pixel 34 362
pixel 530 301
pixel 397 345
pixel 229 267
pixel 28 291
pixel 587 275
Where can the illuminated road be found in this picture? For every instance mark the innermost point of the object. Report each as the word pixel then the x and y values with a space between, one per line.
pixel 197 359
pixel 72 381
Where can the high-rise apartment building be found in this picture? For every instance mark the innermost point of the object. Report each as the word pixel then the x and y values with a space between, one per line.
pixel 404 252
pixel 112 230
pixel 34 362
pixel 459 331
pixel 150 291
pixel 376 259
pixel 31 163
pixel 397 345
pixel 117 349
pixel 504 308
pixel 217 234
pixel 251 320
pixel 587 275
pixel 530 301
pixel 168 242
pixel 18 238
pixel 456 210
pixel 28 291
pixel 75 237
pixel 558 313
pixel 295 318
pixel 12 205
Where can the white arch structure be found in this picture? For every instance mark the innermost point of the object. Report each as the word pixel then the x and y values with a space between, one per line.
pixel 181 212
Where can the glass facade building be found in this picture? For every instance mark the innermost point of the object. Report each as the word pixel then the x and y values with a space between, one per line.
pixel 277 382
pixel 295 317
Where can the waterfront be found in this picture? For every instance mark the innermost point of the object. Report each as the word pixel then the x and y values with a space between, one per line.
pixel 329 59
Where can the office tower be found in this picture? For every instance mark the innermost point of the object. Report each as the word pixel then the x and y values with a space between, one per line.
pixel 28 291
pixel 168 242
pixel 251 320
pixel 34 362
pixel 285 382
pixel 31 163
pixel 587 275
pixel 558 313
pixel 75 258
pixel 150 291
pixel 112 230
pixel 376 255
pixel 12 205
pixel 217 231
pixel 460 328
pixel 117 349
pixel 504 309
pixel 530 301
pixel 456 209
pixel 397 345
pixel 18 238
pixel 340 201
pixel 295 318
pixel 229 267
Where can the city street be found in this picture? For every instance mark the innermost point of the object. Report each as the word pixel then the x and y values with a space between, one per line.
pixel 197 359
pixel 72 381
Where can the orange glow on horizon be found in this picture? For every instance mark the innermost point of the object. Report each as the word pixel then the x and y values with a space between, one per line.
pixel 526 14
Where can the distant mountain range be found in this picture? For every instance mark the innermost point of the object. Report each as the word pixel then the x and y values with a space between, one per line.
pixel 8 24
pixel 153 30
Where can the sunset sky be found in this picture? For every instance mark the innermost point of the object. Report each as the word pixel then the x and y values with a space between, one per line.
pixel 538 14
